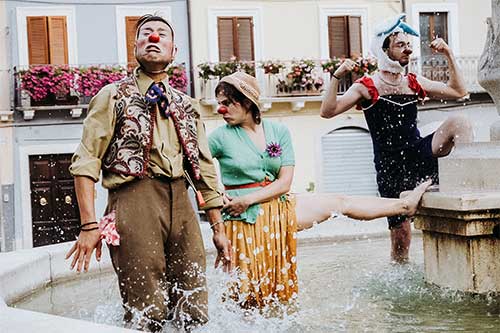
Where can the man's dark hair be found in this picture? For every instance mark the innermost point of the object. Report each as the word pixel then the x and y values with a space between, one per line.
pixel 234 95
pixel 149 18
pixel 387 41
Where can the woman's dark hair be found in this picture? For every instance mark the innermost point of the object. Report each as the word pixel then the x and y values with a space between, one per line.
pixel 234 95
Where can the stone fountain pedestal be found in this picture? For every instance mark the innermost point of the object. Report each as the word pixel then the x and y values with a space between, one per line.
pixel 461 222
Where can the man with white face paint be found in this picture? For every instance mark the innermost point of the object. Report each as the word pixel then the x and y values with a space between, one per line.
pixel 148 140
pixel 389 100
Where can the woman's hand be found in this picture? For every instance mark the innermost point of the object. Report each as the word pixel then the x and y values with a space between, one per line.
pixel 226 198
pixel 237 205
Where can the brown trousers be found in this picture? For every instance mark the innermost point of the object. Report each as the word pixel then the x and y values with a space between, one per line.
pixel 160 261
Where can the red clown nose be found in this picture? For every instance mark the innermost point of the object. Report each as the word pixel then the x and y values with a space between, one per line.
pixel 154 38
pixel 222 110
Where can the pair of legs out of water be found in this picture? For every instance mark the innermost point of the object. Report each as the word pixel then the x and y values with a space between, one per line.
pixel 316 208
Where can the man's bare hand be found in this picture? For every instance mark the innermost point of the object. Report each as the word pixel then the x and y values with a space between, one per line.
pixel 347 66
pixel 440 46
pixel 82 249
pixel 224 251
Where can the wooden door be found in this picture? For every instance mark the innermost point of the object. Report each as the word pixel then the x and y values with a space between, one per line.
pixel 54 209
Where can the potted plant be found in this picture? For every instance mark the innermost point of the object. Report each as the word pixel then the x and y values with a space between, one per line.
pixel 206 71
pixel 272 67
pixel 222 69
pixel 331 65
pixel 365 66
pixel 301 80
pixel 91 79
pixel 48 84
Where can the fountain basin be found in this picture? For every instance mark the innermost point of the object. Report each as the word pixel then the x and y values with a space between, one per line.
pixel 27 272
pixel 345 286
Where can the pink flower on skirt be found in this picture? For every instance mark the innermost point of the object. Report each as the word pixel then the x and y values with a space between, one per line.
pixel 107 226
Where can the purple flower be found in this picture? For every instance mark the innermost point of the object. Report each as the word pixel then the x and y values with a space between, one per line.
pixel 273 149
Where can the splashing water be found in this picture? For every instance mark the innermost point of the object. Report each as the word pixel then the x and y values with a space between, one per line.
pixel 344 286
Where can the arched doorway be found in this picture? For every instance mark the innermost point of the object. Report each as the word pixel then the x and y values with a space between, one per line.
pixel 347 162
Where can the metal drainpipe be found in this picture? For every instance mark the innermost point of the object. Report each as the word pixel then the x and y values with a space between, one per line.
pixel 191 66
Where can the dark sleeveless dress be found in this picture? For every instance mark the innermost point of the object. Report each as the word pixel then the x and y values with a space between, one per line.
pixel 402 157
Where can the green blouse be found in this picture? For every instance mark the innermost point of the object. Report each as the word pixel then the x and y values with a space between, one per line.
pixel 241 162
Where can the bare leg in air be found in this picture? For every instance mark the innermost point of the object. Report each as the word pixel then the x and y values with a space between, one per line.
pixel 316 208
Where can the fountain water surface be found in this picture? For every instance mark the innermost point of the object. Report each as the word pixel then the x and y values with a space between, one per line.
pixel 344 286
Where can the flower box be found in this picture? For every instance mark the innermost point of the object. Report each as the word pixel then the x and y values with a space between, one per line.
pixel 48 85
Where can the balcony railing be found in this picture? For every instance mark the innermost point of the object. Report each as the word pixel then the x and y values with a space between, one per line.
pixel 437 69
pixel 434 69
pixel 287 83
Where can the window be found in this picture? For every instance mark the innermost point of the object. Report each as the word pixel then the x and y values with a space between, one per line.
pixel 433 25
pixel 235 36
pixel 344 36
pixel 130 23
pixel 47 40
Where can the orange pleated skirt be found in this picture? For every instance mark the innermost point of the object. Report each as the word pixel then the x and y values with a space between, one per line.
pixel 265 254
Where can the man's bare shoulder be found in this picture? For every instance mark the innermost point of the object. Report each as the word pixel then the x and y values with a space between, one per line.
pixel 361 89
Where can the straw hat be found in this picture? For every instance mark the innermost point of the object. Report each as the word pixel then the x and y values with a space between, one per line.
pixel 246 84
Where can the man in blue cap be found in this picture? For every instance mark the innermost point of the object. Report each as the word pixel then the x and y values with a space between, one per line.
pixel 389 100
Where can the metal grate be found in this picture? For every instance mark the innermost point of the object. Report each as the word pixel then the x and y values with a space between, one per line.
pixel 347 162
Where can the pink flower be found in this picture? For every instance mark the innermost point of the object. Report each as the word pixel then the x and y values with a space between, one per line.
pixel 273 149
pixel 107 226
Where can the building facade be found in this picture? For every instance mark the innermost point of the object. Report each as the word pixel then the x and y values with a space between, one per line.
pixel 38 205
pixel 332 155
pixel 39 202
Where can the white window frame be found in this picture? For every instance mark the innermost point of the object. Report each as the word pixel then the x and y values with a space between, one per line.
pixel 326 11
pixel 121 30
pixel 213 41
pixel 453 27
pixel 22 30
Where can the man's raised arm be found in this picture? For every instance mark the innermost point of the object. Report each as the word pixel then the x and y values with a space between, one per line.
pixel 455 87
pixel 334 105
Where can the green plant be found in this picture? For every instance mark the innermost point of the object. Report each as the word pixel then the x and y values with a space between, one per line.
pixel 208 71
pixel 364 65
pixel 222 69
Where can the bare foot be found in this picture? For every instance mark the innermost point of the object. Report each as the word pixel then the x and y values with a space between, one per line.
pixel 412 198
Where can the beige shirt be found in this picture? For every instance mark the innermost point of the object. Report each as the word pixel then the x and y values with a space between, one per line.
pixel 166 158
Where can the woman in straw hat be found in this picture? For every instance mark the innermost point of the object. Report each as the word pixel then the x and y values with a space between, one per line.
pixel 261 219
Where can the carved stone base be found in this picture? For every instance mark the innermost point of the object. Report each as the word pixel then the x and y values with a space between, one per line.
pixel 495 131
pixel 471 167
pixel 461 251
